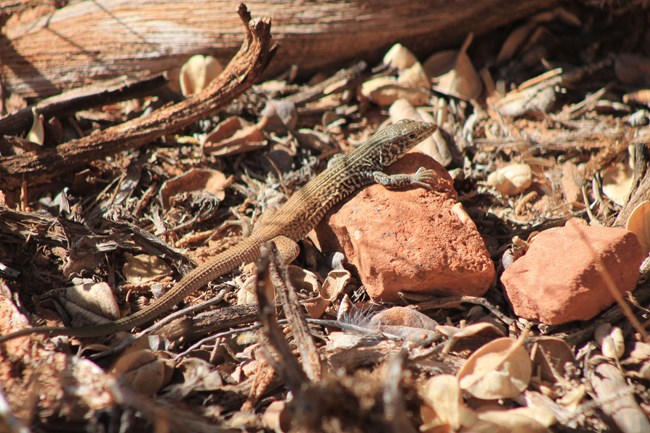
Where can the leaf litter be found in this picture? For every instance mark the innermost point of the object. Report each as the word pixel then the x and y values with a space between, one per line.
pixel 530 140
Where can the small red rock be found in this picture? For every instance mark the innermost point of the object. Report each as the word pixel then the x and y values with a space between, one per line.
pixel 412 240
pixel 557 281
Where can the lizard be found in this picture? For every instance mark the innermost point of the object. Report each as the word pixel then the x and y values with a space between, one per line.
pixel 345 174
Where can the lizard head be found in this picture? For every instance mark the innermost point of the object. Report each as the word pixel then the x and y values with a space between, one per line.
pixel 405 135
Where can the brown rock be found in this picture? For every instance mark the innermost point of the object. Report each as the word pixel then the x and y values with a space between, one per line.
pixel 557 281
pixel 403 316
pixel 413 240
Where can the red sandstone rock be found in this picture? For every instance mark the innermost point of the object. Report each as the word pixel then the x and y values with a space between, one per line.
pixel 557 281
pixel 412 240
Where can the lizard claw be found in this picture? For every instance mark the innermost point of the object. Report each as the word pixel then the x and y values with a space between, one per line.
pixel 424 177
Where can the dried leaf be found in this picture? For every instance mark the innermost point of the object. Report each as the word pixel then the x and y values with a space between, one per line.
pixel 499 369
pixel 511 179
pixel 197 72
pixel 573 398
pixel 280 115
pixel 399 57
pixel 142 268
pixel 440 63
pixel 36 133
pixel 335 284
pixel 484 329
pixel 515 41
pixel 513 421
pixel 95 297
pixel 414 76
pixel 276 418
pixel 462 80
pixel 233 136
pixel 550 355
pixel 639 223
pixel 143 371
pixel 617 182
pixel 383 91
pixel 611 340
pixel 208 181
pixel 443 402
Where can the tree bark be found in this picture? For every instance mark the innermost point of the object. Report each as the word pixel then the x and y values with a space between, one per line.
pixel 104 38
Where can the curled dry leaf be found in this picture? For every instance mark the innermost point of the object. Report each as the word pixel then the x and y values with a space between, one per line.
pixel 461 79
pixel 196 180
pixel 513 421
pixel 36 133
pixel 304 280
pixel 443 401
pixel 233 136
pixel 499 369
pixel 314 140
pixel 414 76
pixel 550 355
pixel 333 286
pixel 485 330
pixel 143 371
pixel 572 400
pixel 617 181
pixel 384 91
pixel 515 41
pixel 511 179
pixel 640 353
pixel 399 57
pixel 276 418
pixel 440 63
pixel 97 298
pixel 141 268
pixel 197 72
pixel 199 376
pixel 611 340
pixel 280 115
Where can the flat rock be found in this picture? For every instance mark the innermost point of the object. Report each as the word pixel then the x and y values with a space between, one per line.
pixel 410 240
pixel 556 281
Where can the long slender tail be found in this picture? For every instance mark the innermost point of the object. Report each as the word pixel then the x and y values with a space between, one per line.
pixel 244 252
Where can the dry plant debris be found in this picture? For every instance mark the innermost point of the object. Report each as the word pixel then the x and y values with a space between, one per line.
pixel 108 194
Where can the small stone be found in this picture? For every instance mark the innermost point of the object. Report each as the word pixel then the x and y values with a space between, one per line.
pixel 409 240
pixel 403 316
pixel 557 281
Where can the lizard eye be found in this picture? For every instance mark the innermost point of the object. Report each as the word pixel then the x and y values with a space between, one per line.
pixel 412 136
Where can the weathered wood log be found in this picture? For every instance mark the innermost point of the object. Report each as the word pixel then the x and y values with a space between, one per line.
pixel 92 39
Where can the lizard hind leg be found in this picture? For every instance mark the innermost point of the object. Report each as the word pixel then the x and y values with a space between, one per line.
pixel 287 248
